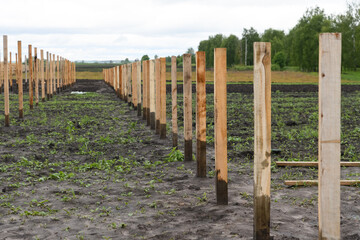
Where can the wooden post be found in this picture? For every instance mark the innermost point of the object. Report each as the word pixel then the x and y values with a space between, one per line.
pixel 162 98
pixel 174 102
pixel 42 76
pixel 6 82
pixel 31 94
pixel 329 135
pixel 262 139
pixel 220 112
pixel 20 83
pixel 36 77
pixel 54 75
pixel 148 92
pixel 121 90
pixel 138 80
pixel 200 114
pixel 47 77
pixel 51 75
pixel 125 82
pixel 152 93
pixel 10 74
pixel 144 89
pixel 129 84
pixel 134 85
pixel 157 96
pixel 187 107
pixel 58 74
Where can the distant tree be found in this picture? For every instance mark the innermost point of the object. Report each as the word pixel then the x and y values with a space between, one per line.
pixel 192 52
pixel 126 61
pixel 208 47
pixel 156 56
pixel 145 58
pixel 249 36
pixel 277 40
pixel 232 45
pixel 280 59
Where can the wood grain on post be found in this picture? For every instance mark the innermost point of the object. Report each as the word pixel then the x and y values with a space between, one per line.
pixel 58 74
pixel 10 73
pixel 329 135
pixel 47 77
pixel 36 77
pixel 129 84
pixel 157 96
pixel 138 80
pixel 42 76
pixel 162 98
pixel 134 85
pixel 6 82
pixel 262 139
pixel 174 102
pixel 200 115
pixel 31 81
pixel 148 92
pixel 220 113
pixel 51 75
pixel 20 82
pixel 121 90
pixel 152 93
pixel 54 75
pixel 125 79
pixel 144 89
pixel 187 107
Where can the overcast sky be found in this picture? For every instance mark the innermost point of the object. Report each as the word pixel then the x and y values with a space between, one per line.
pixel 118 29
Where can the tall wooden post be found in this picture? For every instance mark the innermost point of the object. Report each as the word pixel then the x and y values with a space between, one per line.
pixel 36 77
pixel 162 98
pixel 125 82
pixel 200 114
pixel 10 74
pixel 144 90
pixel 130 98
pixel 54 75
pixel 20 82
pixel 47 76
pixel 262 139
pixel 152 93
pixel 42 75
pixel 58 74
pixel 134 85
pixel 51 75
pixel 6 82
pixel 220 105
pixel 148 92
pixel 329 135
pixel 187 107
pixel 157 96
pixel 174 102
pixel 121 82
pixel 31 81
pixel 138 80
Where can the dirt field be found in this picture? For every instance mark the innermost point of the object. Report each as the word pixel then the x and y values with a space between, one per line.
pixel 85 166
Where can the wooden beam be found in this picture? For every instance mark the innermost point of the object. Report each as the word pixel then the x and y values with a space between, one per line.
pixel 152 93
pixel 220 115
pixel 144 89
pixel 315 182
pixel 162 98
pixel 158 96
pixel 187 107
pixel 31 94
pixel 174 102
pixel 134 85
pixel 329 135
pixel 42 75
pixel 200 115
pixel 20 82
pixel 262 139
pixel 36 77
pixel 6 82
pixel 148 92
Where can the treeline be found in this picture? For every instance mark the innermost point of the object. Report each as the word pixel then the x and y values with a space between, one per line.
pixel 300 47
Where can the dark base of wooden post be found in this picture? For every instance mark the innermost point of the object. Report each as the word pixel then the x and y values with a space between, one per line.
pixel 221 191
pixel 148 117
pixel 152 120
pixel 21 113
pixel 129 103
pixel 43 99
pixel 188 150
pixel 157 126
pixel 37 104
pixel 48 97
pixel 144 113
pixel 7 121
pixel 262 218
pixel 201 158
pixel 139 110
pixel 135 108
pixel 162 131
pixel 31 107
pixel 175 139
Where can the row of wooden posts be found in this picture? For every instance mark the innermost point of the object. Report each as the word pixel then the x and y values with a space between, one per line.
pixel 149 94
pixel 56 74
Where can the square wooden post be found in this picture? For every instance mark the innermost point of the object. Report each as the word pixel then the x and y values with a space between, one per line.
pixel 144 75
pixel 6 82
pixel 138 80
pixel 220 113
pixel 134 85
pixel 148 92
pixel 20 82
pixel 187 107
pixel 162 98
pixel 200 115
pixel 262 139
pixel 329 135
pixel 157 96
pixel 152 93
pixel 174 102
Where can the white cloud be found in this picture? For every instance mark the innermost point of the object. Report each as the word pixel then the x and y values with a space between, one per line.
pixel 116 29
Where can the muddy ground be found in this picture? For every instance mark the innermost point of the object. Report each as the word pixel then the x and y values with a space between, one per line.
pixel 85 166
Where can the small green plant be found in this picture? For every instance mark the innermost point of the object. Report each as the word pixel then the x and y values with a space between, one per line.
pixel 174 156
